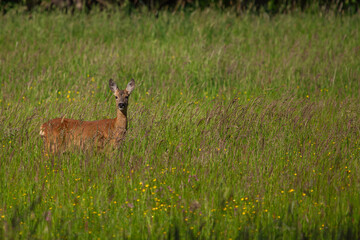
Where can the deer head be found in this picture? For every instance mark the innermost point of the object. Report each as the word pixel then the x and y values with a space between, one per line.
pixel 122 96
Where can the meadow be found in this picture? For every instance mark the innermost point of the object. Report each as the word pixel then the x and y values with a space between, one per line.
pixel 240 127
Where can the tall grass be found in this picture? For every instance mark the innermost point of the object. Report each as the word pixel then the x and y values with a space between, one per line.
pixel 238 127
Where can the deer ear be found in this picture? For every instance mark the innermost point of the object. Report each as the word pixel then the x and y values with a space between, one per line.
pixel 130 87
pixel 112 85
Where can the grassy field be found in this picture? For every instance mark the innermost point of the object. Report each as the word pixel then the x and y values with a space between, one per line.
pixel 239 127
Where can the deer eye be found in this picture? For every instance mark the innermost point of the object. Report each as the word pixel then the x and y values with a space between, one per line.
pixel 116 97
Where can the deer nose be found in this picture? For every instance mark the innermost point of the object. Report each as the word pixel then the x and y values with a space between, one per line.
pixel 121 105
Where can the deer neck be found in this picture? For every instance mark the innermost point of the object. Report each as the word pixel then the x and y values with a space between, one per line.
pixel 121 120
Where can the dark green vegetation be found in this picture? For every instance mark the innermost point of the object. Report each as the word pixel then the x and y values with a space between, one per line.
pixel 239 127
pixel 238 6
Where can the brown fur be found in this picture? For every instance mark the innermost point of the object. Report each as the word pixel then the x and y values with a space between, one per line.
pixel 60 133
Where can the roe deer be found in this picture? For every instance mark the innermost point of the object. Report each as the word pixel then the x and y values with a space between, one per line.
pixel 62 132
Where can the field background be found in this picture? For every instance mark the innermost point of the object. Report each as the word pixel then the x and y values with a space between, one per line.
pixel 239 126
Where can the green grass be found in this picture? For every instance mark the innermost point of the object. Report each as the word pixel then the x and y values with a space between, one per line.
pixel 239 127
